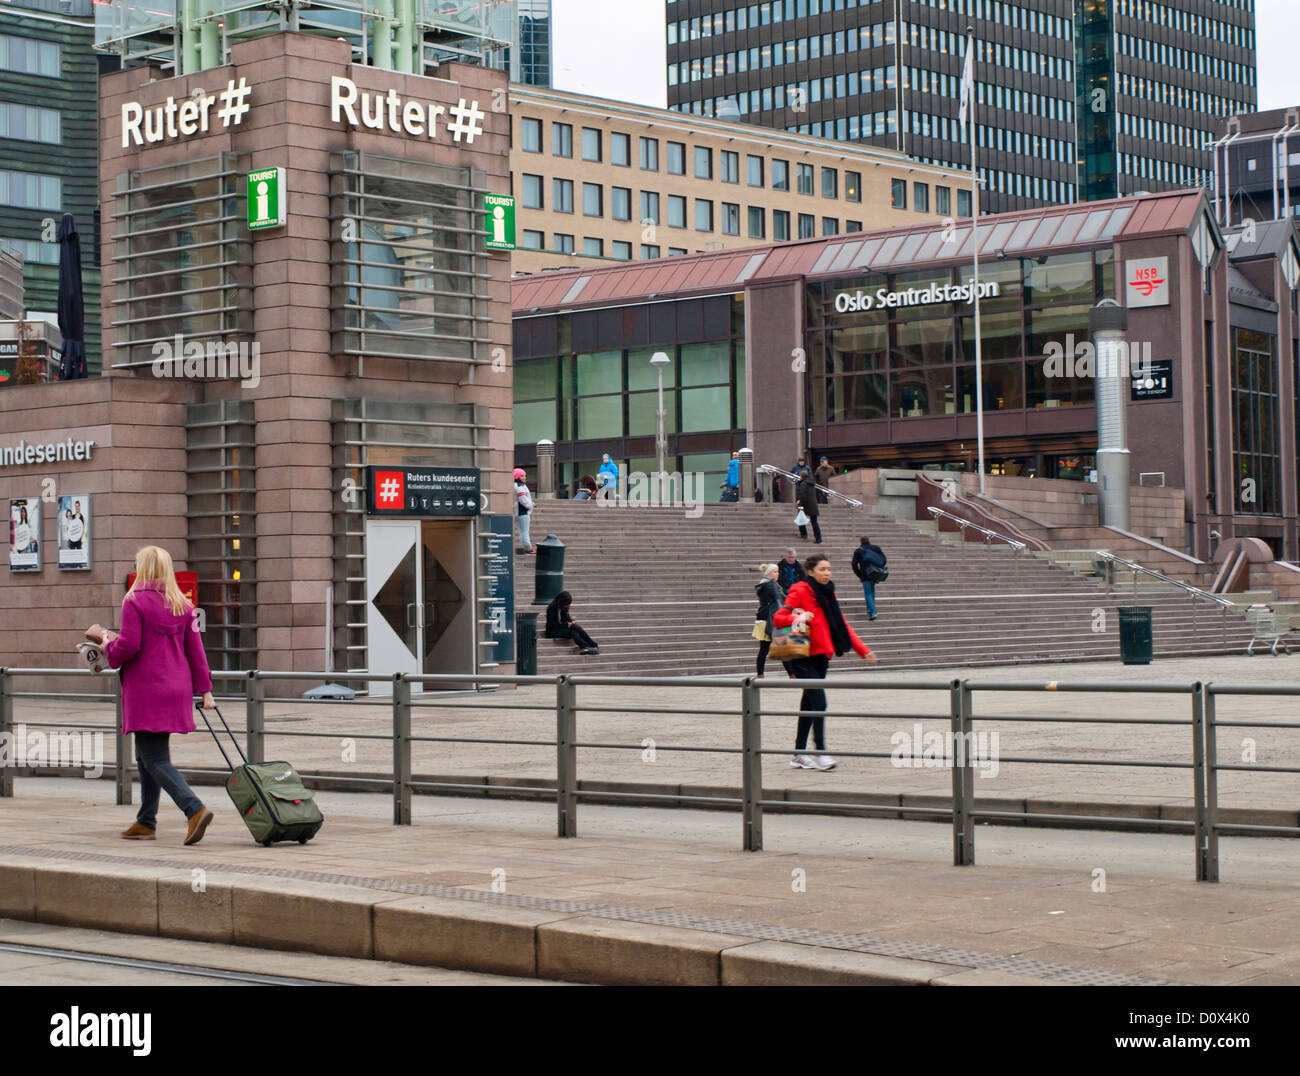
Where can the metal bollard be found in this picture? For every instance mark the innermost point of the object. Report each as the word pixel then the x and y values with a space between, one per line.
pixel 546 485
pixel 1205 756
pixel 255 719
pixel 566 758
pixel 963 788
pixel 751 772
pixel 122 757
pixel 6 727
pixel 747 474
pixel 401 750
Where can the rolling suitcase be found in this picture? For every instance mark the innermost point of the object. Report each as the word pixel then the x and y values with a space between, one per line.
pixel 269 796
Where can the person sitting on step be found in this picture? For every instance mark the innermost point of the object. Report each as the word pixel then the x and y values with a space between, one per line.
pixel 559 625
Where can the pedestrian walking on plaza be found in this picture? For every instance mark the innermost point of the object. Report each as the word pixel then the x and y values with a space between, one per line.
pixel 159 653
pixel 813 603
pixel 523 508
pixel 607 477
pixel 807 500
pixel 801 470
pixel 731 487
pixel 789 571
pixel 770 596
pixel 869 566
pixel 559 625
pixel 823 475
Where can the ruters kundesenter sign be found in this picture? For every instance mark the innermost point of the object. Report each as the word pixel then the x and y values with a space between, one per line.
pixel 423 491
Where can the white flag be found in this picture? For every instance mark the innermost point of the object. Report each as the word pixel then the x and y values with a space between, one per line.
pixel 967 86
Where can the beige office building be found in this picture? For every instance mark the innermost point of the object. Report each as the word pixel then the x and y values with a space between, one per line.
pixel 602 180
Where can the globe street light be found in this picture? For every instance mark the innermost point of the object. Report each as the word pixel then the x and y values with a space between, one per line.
pixel 659 360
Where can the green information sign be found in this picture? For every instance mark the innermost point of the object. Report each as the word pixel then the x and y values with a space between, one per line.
pixel 500 226
pixel 268 201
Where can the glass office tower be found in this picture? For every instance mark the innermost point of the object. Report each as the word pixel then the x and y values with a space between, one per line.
pixel 49 141
pixel 1076 99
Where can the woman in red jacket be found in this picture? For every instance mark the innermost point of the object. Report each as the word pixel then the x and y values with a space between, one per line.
pixel 813 603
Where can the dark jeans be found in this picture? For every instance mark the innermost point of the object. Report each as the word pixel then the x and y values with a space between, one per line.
pixel 811 668
pixel 816 526
pixel 153 757
pixel 763 648
pixel 579 636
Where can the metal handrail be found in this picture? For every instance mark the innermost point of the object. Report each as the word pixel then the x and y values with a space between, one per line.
pixel 767 468
pixel 989 535
pixel 959 709
pixel 1195 592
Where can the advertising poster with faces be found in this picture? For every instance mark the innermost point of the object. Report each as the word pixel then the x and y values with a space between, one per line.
pixel 25 534
pixel 74 532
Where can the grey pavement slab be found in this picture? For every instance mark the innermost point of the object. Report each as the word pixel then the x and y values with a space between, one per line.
pixel 886 888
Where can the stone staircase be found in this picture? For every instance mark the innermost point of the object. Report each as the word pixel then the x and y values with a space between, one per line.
pixel 666 594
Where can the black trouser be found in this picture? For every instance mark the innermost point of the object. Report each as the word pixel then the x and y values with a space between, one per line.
pixel 811 668
pixel 579 636
pixel 816 526
pixel 763 648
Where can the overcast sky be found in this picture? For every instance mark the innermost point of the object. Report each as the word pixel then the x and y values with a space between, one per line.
pixel 615 48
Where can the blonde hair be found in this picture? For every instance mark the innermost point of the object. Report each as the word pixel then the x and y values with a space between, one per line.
pixel 767 569
pixel 153 564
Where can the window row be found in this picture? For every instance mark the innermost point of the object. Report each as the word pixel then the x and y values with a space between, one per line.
pixel 533 194
pixel 28 190
pixel 777 11
pixel 30 57
pixel 29 123
pixel 616 393
pixel 594 247
pixel 1153 52
pixel 1164 93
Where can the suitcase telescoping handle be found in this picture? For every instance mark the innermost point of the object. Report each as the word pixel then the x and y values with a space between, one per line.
pixel 218 738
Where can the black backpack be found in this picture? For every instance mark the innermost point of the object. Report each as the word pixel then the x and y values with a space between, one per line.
pixel 867 570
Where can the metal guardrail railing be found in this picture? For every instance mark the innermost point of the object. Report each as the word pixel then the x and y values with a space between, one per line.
pixel 958 712
pixel 767 468
pixel 965 525
pixel 1195 593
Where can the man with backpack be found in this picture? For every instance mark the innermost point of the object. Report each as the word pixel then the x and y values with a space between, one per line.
pixel 869 565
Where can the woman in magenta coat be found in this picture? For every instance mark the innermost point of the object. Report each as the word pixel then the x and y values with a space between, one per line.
pixel 162 667
pixel 812 602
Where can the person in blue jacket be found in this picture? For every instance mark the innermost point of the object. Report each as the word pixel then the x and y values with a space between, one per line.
pixel 607 476
pixel 731 489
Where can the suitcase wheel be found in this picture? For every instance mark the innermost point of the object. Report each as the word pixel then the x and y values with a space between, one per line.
pixel 266 844
pixel 304 838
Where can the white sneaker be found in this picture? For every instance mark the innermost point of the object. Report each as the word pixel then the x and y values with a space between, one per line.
pixel 825 762
pixel 803 762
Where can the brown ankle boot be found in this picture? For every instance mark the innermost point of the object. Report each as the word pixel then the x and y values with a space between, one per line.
pixel 198 823
pixel 138 832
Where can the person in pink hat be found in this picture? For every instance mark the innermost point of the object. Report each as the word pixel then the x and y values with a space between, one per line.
pixel 523 505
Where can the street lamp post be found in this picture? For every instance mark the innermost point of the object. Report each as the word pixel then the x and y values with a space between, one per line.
pixel 659 360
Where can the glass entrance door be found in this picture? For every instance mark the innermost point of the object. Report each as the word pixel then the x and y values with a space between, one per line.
pixel 420 589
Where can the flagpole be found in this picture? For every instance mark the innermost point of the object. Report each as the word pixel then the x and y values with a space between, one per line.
pixel 975 280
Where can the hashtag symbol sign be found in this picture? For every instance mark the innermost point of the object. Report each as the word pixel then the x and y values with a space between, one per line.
pixel 234 102
pixel 388 489
pixel 465 121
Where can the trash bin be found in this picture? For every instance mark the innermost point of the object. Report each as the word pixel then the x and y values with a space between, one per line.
pixel 1135 634
pixel 525 644
pixel 550 570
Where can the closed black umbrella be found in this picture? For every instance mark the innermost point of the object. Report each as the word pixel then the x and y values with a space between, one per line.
pixel 72 311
